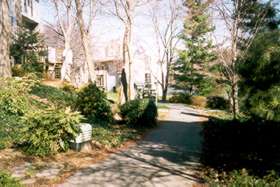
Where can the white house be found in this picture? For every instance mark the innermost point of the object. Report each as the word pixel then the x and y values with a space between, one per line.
pixel 109 64
pixel 30 13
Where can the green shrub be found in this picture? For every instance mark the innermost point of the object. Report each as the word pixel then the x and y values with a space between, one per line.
pixel 8 129
pixel 14 95
pixel 217 102
pixel 199 101
pixel 93 104
pixel 14 103
pixel 48 131
pixel 7 180
pixel 18 71
pixel 67 87
pixel 180 98
pixel 17 106
pixel 139 113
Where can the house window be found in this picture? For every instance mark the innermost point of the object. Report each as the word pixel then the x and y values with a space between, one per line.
pixel 148 78
pixel 57 71
pixel 100 81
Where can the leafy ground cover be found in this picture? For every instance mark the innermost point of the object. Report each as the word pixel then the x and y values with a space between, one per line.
pixel 7 180
pixel 53 96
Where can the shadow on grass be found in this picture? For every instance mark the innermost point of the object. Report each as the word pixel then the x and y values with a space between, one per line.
pixel 231 145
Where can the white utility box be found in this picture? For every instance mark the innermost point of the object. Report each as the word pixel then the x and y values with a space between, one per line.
pixel 85 136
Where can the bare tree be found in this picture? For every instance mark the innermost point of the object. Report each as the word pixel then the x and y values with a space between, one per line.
pixel 85 31
pixel 230 13
pixel 124 11
pixel 6 8
pixel 64 11
pixel 166 28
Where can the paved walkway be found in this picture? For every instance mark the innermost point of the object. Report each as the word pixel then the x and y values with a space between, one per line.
pixel 167 156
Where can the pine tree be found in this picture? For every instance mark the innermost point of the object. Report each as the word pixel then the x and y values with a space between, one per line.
pixel 257 17
pixel 26 50
pixel 260 77
pixel 259 69
pixel 191 67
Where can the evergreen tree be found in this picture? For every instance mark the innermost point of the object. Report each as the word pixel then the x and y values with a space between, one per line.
pixel 260 13
pixel 257 17
pixel 26 50
pixel 259 67
pixel 191 67
pixel 260 77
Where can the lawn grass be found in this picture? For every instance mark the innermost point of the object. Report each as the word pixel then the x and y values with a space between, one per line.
pixel 112 96
pixel 53 95
pixel 162 106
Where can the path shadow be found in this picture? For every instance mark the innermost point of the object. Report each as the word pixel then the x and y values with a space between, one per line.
pixel 195 114
pixel 171 152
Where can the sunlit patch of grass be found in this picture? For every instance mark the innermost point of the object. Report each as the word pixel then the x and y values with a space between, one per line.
pixel 113 96
pixel 162 106
pixel 114 136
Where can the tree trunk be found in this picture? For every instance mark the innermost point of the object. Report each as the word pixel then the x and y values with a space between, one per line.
pixel 235 104
pixel 165 87
pixel 125 71
pixel 18 12
pixel 166 79
pixel 5 39
pixel 68 60
pixel 164 94
pixel 127 59
pixel 85 41
pixel 234 48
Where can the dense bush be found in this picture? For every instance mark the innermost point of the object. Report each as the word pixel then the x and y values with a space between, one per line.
pixel 28 121
pixel 14 95
pixel 18 71
pixel 139 113
pixel 180 98
pixel 47 132
pixel 217 102
pixel 260 72
pixel 67 87
pixel 251 144
pixel 6 180
pixel 199 101
pixel 14 103
pixel 93 104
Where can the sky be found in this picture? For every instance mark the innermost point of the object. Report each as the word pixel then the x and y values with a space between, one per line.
pixel 107 28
